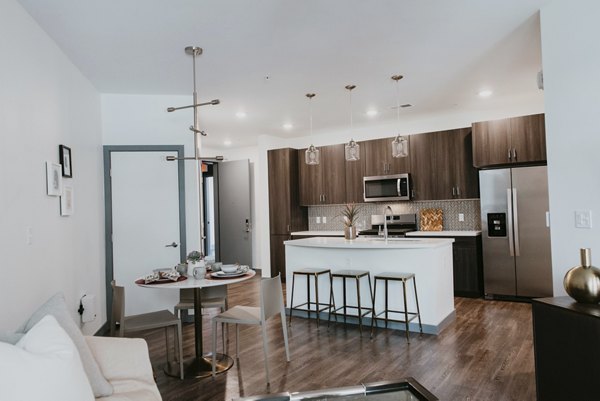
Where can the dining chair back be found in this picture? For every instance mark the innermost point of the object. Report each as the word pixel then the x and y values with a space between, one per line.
pixel 271 303
pixel 144 321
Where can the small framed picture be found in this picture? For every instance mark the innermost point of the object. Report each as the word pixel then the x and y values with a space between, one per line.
pixel 67 201
pixel 64 152
pixel 53 179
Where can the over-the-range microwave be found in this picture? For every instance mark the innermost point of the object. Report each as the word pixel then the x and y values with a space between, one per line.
pixel 383 188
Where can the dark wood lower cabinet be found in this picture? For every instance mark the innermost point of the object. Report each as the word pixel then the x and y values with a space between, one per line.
pixel 468 267
pixel 567 349
pixel 467 258
pixel 278 255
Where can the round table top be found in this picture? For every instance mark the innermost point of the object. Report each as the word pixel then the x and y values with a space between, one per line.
pixel 191 282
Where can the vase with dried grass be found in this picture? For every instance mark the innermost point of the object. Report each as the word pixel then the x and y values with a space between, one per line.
pixel 350 215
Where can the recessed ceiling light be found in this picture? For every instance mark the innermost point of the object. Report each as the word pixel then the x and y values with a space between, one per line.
pixel 288 126
pixel 240 114
pixel 372 113
pixel 227 142
pixel 485 93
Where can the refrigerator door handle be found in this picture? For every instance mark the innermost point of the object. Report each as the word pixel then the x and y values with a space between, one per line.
pixel 548 219
pixel 509 218
pixel 516 222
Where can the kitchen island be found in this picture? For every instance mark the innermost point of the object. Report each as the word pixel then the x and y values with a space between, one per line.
pixel 429 259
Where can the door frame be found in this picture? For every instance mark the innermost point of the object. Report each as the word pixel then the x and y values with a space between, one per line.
pixel 108 226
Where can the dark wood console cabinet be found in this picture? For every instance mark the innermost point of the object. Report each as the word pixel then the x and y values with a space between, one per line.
pixel 566 338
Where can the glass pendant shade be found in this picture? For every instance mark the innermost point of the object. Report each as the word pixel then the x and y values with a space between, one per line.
pixel 352 151
pixel 312 155
pixel 400 147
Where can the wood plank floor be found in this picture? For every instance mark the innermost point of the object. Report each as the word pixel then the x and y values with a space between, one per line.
pixel 485 354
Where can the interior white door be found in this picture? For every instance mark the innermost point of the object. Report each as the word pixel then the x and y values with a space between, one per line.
pixel 145 219
pixel 235 227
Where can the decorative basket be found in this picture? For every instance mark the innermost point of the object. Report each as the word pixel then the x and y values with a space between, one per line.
pixel 431 220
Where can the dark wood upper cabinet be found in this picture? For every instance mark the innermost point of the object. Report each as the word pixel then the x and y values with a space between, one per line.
pixel 528 138
pixel 379 160
pixel 323 183
pixel 423 166
pixel 442 167
pixel 355 171
pixel 509 141
pixel 464 182
pixel 285 213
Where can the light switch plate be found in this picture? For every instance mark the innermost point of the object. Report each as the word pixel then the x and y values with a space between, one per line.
pixel 583 219
pixel 324 219
pixel 461 217
pixel 318 220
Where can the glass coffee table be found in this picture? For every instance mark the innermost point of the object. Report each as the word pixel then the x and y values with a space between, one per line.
pixel 407 389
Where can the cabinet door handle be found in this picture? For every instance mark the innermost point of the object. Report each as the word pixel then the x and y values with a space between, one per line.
pixel 288 228
pixel 453 191
pixel 457 191
pixel 514 154
pixel 509 155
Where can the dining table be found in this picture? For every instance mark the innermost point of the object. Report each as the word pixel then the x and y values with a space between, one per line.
pixel 200 365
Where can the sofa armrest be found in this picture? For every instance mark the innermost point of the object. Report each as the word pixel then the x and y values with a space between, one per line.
pixel 124 362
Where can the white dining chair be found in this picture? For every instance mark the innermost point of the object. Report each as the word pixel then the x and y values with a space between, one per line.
pixel 121 324
pixel 271 303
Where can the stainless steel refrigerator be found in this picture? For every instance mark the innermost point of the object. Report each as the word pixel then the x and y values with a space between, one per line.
pixel 515 227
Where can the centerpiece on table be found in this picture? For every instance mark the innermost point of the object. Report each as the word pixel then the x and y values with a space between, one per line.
pixel 350 215
pixel 195 259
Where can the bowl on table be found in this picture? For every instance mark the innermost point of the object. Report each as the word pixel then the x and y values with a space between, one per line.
pixel 230 268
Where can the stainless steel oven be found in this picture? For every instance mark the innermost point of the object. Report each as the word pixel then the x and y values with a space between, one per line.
pixel 383 188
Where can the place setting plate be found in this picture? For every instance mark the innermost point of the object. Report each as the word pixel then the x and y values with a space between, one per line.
pixel 242 270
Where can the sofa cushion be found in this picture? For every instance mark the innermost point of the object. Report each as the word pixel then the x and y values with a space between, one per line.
pixel 57 307
pixel 43 365
pixel 10 337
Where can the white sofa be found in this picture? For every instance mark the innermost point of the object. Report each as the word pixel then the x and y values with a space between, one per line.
pixel 125 363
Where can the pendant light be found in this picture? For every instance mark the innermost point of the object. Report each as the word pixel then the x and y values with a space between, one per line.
pixel 312 155
pixel 400 143
pixel 352 149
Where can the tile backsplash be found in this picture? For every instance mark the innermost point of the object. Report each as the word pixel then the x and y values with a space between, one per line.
pixel 451 208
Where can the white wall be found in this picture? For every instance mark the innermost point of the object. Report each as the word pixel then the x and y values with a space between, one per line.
pixel 45 101
pixel 571 59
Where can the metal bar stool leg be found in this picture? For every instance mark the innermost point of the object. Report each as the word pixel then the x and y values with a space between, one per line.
pixel 386 303
pixel 308 295
pixel 417 302
pixel 317 298
pixel 405 311
pixel 331 300
pixel 359 308
pixel 292 298
pixel 344 292
pixel 374 318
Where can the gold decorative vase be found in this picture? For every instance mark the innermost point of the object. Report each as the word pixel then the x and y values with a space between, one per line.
pixel 582 283
pixel 349 232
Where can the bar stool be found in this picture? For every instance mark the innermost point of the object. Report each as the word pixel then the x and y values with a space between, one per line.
pixel 315 273
pixel 403 277
pixel 356 275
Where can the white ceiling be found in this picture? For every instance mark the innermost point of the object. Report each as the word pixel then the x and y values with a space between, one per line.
pixel 447 51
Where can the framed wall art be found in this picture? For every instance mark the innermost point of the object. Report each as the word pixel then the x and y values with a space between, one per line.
pixel 67 201
pixel 64 152
pixel 53 179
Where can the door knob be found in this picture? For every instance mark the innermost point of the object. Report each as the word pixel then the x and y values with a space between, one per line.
pixel 172 245
pixel 247 225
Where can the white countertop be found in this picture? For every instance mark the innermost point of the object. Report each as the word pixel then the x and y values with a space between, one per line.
pixel 320 233
pixel 443 234
pixel 370 243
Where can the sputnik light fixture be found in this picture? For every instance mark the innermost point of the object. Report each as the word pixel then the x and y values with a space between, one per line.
pixel 312 155
pixel 352 149
pixel 400 143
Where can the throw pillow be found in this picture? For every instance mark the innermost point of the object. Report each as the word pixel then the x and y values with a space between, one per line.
pixel 57 307
pixel 43 365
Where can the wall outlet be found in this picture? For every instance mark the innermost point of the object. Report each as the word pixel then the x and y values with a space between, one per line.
pixel 461 217
pixel 583 219
pixel 324 219
pixel 318 219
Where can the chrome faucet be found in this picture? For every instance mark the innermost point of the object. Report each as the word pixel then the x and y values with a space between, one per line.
pixel 385 230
